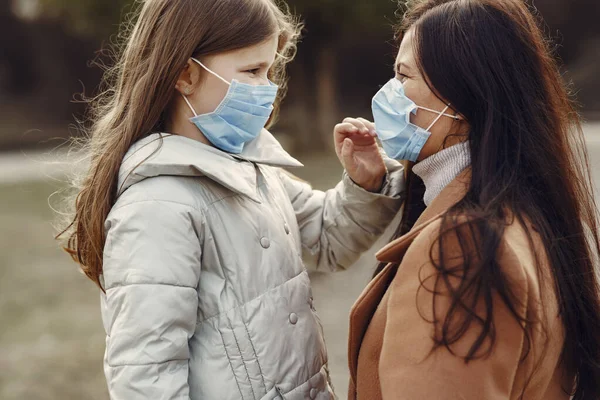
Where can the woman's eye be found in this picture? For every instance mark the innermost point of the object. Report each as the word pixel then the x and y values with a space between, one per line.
pixel 402 77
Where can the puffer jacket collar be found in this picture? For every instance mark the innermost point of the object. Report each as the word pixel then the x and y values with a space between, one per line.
pixel 161 154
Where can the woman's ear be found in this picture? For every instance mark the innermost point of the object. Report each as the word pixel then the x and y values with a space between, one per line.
pixel 457 116
pixel 189 79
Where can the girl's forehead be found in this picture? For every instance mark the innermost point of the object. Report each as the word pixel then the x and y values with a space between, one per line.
pixel 265 51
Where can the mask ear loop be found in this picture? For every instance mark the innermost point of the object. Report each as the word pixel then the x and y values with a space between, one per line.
pixel 211 72
pixel 456 117
pixel 189 105
pixel 438 117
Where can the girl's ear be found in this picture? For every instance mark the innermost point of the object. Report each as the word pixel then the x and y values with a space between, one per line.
pixel 189 79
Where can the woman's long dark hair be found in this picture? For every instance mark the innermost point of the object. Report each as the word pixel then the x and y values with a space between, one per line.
pixel 490 60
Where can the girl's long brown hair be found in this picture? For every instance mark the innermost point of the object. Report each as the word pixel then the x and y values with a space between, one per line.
pixel 159 38
pixel 491 61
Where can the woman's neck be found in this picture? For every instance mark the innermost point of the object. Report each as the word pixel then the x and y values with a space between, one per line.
pixel 438 170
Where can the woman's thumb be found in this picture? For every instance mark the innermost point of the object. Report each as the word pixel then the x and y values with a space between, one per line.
pixel 347 150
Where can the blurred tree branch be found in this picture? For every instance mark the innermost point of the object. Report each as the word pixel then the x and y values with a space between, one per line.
pixel 97 18
pixel 346 53
pixel 330 25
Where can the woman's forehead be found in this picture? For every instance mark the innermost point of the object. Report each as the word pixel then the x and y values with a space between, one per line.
pixel 406 53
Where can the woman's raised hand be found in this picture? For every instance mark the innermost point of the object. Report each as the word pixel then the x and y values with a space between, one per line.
pixel 357 150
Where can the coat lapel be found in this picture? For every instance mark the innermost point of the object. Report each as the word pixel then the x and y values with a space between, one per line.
pixel 363 310
pixel 367 303
pixel 448 197
pixel 166 154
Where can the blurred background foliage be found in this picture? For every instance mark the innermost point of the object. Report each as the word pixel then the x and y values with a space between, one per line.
pixel 346 53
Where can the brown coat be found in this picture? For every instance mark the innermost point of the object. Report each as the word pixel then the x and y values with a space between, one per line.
pixel 390 341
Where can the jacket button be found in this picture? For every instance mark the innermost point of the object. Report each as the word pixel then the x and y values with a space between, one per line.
pixel 293 318
pixel 313 393
pixel 287 229
pixel 265 242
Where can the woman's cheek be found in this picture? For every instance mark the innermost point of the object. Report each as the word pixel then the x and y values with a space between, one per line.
pixel 419 119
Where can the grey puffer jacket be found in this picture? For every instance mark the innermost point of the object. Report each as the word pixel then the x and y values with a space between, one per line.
pixel 207 295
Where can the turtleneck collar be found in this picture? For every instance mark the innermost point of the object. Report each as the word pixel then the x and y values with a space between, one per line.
pixel 438 170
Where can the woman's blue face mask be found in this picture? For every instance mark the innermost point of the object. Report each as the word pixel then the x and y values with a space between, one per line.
pixel 401 139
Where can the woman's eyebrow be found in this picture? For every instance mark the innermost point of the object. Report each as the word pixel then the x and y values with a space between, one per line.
pixel 402 65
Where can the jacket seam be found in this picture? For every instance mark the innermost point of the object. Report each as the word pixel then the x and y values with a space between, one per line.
pixel 360 226
pixel 322 369
pixel 162 201
pixel 250 300
pixel 341 244
pixel 237 343
pixel 146 364
pixel 231 364
pixel 262 376
pixel 352 186
pixel 205 208
pixel 233 194
pixel 151 284
pixel 220 199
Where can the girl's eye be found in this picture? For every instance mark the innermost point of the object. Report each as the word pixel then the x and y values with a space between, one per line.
pixel 253 71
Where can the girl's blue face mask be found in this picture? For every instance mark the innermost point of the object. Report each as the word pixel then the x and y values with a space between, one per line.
pixel 239 118
pixel 400 139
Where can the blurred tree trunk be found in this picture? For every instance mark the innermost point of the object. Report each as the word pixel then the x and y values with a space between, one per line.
pixel 571 24
pixel 326 93
pixel 17 75
pixel 314 84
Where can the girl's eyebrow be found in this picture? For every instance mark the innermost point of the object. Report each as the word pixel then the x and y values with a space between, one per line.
pixel 257 65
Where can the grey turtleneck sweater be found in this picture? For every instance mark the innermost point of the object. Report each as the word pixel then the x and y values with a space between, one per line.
pixel 438 170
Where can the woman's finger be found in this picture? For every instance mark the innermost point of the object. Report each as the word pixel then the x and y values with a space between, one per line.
pixel 359 124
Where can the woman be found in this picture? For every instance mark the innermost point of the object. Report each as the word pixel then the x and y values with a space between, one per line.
pixel 493 293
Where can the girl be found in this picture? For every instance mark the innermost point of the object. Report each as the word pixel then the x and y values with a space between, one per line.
pixel 191 228
pixel 493 294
